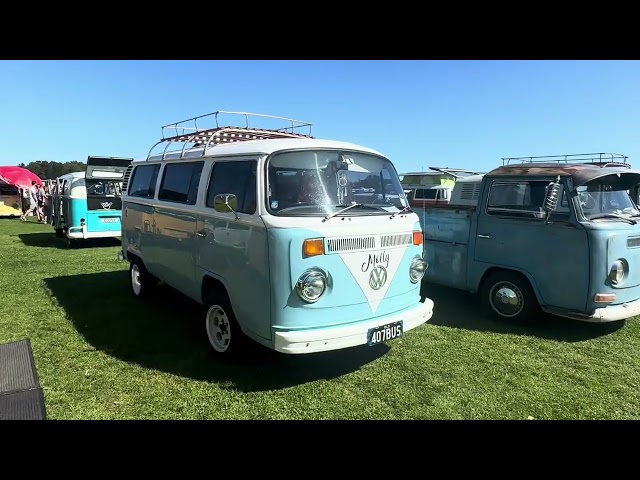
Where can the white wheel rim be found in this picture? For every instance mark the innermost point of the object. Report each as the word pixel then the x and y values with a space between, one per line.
pixel 218 328
pixel 135 279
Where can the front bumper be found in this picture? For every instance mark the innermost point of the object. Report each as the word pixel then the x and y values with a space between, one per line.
pixel 334 338
pixel 81 233
pixel 611 313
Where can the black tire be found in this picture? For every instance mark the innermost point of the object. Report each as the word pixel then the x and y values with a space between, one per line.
pixel 225 338
pixel 517 303
pixel 59 233
pixel 72 244
pixel 141 281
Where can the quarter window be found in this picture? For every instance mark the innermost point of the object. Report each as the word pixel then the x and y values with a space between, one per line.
pixel 180 182
pixel 143 181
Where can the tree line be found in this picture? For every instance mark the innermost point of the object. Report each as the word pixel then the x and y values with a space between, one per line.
pixel 51 170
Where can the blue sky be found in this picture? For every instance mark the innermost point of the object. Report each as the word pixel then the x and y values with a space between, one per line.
pixel 465 114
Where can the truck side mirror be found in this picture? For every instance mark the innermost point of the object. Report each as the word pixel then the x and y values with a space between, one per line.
pixel 552 196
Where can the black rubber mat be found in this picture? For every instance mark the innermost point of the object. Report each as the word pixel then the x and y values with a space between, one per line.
pixel 21 397
pixel 23 405
pixel 17 367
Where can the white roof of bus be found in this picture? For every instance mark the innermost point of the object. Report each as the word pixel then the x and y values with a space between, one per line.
pixel 72 175
pixel 264 147
pixel 427 187
pixel 470 178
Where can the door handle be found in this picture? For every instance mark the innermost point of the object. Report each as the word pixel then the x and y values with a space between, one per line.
pixel 201 233
pixel 484 236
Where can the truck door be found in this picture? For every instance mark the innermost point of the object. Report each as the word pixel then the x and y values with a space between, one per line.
pixel 512 233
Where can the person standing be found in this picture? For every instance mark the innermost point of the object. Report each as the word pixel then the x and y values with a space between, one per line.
pixel 47 205
pixel 33 202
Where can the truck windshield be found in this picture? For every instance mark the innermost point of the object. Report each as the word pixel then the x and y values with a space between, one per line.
pixel 318 182
pixel 605 201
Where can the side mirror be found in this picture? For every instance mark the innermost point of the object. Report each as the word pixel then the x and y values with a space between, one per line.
pixel 226 202
pixel 552 196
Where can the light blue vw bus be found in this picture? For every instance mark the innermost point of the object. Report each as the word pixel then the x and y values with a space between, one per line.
pixel 89 204
pixel 299 244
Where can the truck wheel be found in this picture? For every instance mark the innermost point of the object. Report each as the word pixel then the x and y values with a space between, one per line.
pixel 142 282
pixel 223 332
pixel 509 296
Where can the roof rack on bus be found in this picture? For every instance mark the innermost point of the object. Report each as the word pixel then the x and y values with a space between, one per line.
pixel 456 172
pixel 187 131
pixel 435 171
pixel 600 159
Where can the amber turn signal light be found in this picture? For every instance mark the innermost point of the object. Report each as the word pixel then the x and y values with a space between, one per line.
pixel 312 247
pixel 417 238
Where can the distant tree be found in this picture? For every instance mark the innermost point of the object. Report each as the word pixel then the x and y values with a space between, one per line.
pixel 50 170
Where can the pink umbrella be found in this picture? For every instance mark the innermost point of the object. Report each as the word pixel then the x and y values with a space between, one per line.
pixel 18 176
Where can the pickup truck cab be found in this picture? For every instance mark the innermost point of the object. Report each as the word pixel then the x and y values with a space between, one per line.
pixel 562 236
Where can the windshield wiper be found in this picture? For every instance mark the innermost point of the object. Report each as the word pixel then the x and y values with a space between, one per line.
pixel 613 215
pixel 405 209
pixel 296 207
pixel 348 207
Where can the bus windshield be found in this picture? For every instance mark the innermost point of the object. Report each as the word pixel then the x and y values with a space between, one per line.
pixel 319 182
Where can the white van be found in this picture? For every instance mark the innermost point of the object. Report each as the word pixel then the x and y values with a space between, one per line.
pixel 264 229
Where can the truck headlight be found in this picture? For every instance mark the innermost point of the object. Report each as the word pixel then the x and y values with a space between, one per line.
pixel 417 269
pixel 619 271
pixel 311 285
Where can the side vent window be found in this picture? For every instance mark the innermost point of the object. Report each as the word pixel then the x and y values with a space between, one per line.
pixel 125 179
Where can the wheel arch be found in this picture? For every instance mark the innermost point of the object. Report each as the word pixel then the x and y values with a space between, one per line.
pixel 522 273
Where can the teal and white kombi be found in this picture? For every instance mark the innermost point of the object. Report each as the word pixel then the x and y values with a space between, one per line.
pixel 89 204
pixel 260 227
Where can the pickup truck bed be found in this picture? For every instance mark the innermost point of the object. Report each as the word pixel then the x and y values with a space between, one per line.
pixel 446 238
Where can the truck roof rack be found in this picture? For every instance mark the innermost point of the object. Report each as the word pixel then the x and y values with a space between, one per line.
pixel 600 159
pixel 187 131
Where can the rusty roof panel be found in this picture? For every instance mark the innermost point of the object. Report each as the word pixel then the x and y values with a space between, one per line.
pixel 580 173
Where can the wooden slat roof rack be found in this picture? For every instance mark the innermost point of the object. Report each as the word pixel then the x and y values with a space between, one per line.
pixel 187 131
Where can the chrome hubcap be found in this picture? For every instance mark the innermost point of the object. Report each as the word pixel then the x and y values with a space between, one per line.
pixel 506 299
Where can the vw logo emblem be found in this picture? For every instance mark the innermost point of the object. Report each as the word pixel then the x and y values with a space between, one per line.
pixel 378 277
pixel 106 205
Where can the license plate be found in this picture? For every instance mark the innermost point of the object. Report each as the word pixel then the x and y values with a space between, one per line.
pixel 109 220
pixel 384 333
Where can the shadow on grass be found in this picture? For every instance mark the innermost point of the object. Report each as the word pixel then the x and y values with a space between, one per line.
pixel 459 309
pixel 49 240
pixel 167 333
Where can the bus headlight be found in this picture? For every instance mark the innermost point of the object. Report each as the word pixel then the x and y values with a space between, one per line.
pixel 311 285
pixel 417 269
pixel 619 271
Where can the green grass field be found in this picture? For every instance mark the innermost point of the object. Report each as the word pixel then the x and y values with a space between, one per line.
pixel 102 354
